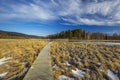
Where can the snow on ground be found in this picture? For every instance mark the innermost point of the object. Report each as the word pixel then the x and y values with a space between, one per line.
pixel 25 63
pixel 99 43
pixel 55 65
pixel 99 64
pixel 3 74
pixel 2 60
pixel 112 75
pixel 78 73
pixel 63 77
pixel 19 74
pixel 68 64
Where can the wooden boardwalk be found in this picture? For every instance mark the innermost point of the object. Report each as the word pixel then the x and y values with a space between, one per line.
pixel 41 68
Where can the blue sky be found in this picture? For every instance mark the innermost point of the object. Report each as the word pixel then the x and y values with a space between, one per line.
pixel 44 17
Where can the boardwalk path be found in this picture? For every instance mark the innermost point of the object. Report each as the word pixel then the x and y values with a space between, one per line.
pixel 41 68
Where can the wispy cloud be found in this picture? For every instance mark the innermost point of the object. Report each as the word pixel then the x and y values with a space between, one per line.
pixel 30 11
pixel 74 12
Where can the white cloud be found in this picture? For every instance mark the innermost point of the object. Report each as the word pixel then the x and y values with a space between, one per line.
pixel 76 12
pixel 30 11
pixel 91 21
pixel 94 13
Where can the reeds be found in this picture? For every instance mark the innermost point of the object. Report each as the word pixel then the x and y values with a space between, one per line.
pixel 22 54
pixel 95 60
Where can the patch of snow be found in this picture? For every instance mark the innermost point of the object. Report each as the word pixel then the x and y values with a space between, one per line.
pixel 19 74
pixel 63 77
pixel 55 65
pixel 26 64
pixel 99 43
pixel 3 74
pixel 85 69
pixel 68 63
pixel 2 60
pixel 78 73
pixel 71 79
pixel 112 75
pixel 99 64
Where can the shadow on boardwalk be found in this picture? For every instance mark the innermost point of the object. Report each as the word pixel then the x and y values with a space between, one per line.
pixel 41 68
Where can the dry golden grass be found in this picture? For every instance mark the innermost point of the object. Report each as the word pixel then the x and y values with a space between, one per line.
pixel 94 60
pixel 22 54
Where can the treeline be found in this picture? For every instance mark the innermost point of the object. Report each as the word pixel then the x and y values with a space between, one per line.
pixel 15 35
pixel 81 34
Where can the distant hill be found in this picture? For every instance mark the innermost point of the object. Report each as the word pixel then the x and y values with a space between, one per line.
pixel 16 35
pixel 70 34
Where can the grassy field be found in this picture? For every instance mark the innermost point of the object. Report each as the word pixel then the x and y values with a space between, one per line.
pixel 72 61
pixel 17 55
